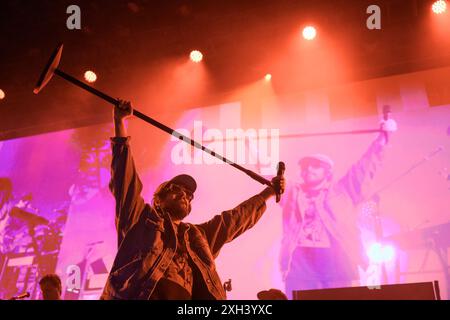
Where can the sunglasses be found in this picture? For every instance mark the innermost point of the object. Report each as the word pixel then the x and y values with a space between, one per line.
pixel 312 163
pixel 178 190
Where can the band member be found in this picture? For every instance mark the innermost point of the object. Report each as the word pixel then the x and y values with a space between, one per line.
pixel 159 256
pixel 321 246
pixel 5 197
pixel 271 294
pixel 6 287
pixel 51 287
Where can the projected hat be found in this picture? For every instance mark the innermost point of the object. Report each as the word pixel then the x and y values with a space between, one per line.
pixel 317 157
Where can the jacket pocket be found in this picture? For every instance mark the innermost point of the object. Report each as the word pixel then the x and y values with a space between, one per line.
pixel 202 249
pixel 121 276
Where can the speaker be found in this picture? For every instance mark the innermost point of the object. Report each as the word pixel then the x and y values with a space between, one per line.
pixel 406 291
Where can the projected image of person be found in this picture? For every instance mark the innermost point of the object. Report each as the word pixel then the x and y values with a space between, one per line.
pixel 159 256
pixel 7 288
pixel 321 245
pixel 5 208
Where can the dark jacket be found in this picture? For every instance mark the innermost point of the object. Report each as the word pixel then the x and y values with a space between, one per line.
pixel 147 240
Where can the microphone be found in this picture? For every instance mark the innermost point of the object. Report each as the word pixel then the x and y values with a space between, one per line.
pixel 386 113
pixel 21 296
pixel 281 167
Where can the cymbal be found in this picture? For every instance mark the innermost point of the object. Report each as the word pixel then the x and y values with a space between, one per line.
pixel 28 217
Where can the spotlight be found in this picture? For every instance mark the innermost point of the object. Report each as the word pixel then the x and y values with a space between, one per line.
pixel 309 33
pixel 381 253
pixel 196 56
pixel 268 77
pixel 439 6
pixel 2 94
pixel 90 76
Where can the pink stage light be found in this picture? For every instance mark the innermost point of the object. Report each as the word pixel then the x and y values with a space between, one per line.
pixel 309 33
pixel 378 252
pixel 439 6
pixel 2 94
pixel 196 56
pixel 90 76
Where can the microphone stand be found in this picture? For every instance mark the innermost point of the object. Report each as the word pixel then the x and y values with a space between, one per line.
pixel 37 255
pixel 20 296
pixel 408 171
pixel 379 235
pixel 376 198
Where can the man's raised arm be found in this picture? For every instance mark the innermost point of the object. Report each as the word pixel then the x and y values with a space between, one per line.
pixel 125 183
pixel 230 224
pixel 363 171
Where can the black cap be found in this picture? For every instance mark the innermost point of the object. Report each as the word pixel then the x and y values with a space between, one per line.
pixel 186 181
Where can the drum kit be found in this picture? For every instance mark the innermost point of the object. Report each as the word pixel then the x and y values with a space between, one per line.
pixel 29 246
pixel 40 234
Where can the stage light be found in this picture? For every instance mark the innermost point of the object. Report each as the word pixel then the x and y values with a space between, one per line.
pixel 268 77
pixel 309 33
pixel 90 76
pixel 380 253
pixel 2 94
pixel 439 6
pixel 196 56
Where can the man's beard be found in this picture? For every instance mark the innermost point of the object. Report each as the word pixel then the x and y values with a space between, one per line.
pixel 178 211
pixel 315 184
